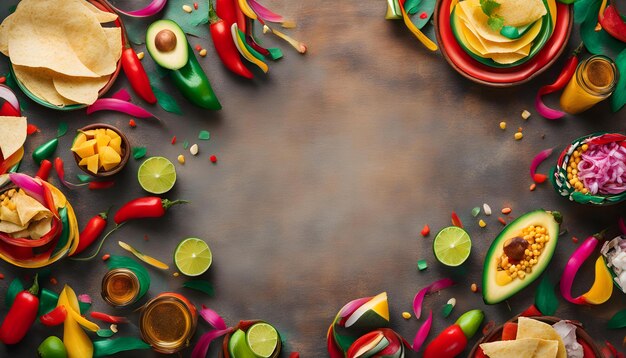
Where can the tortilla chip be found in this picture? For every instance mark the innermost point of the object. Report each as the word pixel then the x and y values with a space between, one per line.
pixel 478 19
pixel 9 215
pixel 4 34
pixel 39 82
pixel 510 349
pixel 12 134
pixel 102 16
pixel 520 12
pixel 10 228
pixel 531 328
pixel 114 38
pixel 42 35
pixel 547 349
pixel 79 89
pixel 28 208
pixel 39 228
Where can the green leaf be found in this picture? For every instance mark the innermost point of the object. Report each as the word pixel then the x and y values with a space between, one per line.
pixel 618 320
pixel 107 347
pixel 545 297
pixel 105 333
pixel 139 152
pixel 201 285
pixel 192 23
pixel 275 53
pixel 412 6
pixel 83 178
pixel 496 23
pixel 84 307
pixel 204 135
pixel 598 42
pixel 489 6
pixel 15 287
pixel 62 130
pixel 424 7
pixel 167 102
pixel 618 100
pixel 186 144
pixel 47 301
pixel 581 9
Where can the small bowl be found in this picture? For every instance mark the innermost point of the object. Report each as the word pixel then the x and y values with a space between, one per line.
pixel 104 6
pixel 125 152
pixel 581 335
pixel 561 185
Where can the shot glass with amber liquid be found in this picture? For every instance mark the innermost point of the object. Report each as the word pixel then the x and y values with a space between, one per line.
pixel 594 80
pixel 120 287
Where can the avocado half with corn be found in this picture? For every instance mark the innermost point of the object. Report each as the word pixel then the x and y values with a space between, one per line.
pixel 519 254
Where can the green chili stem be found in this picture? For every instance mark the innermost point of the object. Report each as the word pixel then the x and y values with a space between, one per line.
pixel 34 289
pixel 88 258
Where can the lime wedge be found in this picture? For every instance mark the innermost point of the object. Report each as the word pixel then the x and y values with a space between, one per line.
pixel 262 339
pixel 157 175
pixel 192 257
pixel 452 246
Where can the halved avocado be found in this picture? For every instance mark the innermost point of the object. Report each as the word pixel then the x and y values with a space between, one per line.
pixel 167 44
pixel 492 291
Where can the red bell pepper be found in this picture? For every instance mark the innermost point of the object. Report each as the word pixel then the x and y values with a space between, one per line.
pixel 54 317
pixel 21 316
pixel 612 22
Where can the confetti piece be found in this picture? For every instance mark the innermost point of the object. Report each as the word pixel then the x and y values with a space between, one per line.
pixel 532 187
pixel 140 55
pixel 202 52
pixel 213 159
pixel 132 123
pixel 518 136
pixel 501 220
pixel 474 288
pixel 187 8
pixel 186 144
pixel 482 223
pixel 204 135
pixel 486 209
pixel 406 315
pixel 447 310
pixel 173 141
pixel 503 125
pixel 506 211
pixel 425 231
pixel 181 159
pixel 422 265
pixel 456 221
pixel 106 257
pixel 139 152
pixel 475 211
pixel 525 114
pixel 194 149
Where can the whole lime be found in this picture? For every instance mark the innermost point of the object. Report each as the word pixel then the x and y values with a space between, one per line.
pixel 52 347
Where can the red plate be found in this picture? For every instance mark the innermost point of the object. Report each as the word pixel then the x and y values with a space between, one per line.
pixel 501 77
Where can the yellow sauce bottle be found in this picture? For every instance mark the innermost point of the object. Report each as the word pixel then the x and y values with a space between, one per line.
pixel 594 80
pixel 168 322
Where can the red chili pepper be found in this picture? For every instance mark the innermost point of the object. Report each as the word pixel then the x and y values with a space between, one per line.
pixel 449 343
pixel 456 221
pixel 21 316
pixel 31 129
pixel 226 11
pixel 91 232
pixel 44 169
pixel 108 318
pixel 58 166
pixel 146 207
pixel 425 231
pixel 49 199
pixel 98 185
pixel 561 81
pixel 224 45
pixel 136 75
pixel 54 317
pixel 8 111
pixel 241 18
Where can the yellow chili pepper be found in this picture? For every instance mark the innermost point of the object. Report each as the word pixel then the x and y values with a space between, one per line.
pixel 602 287
pixel 76 342
pixel 419 34
pixel 246 9
pixel 244 51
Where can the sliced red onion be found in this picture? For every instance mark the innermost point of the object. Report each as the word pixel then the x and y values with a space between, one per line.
pixel 213 318
pixel 544 110
pixel 573 265
pixel 154 7
pixel 265 13
pixel 114 104
pixel 352 306
pixel 8 95
pixel 432 288
pixel 122 95
pixel 84 298
pixel 422 333
pixel 202 347
pixel 602 168
pixel 539 158
pixel 29 185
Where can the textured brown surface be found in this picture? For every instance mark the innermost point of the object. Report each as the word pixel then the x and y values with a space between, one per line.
pixel 328 169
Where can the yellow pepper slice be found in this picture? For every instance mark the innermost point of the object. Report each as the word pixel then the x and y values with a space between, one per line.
pixel 246 9
pixel 419 34
pixel 602 287
pixel 76 342
pixel 244 51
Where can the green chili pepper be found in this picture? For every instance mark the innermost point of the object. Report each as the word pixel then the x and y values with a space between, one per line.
pixel 45 150
pixel 254 52
pixel 194 84
pixel 65 231
pixel 47 301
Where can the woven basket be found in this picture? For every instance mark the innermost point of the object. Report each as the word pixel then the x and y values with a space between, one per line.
pixel 558 176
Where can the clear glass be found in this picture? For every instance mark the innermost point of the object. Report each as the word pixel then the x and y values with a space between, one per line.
pixel 594 80
pixel 168 322
pixel 120 287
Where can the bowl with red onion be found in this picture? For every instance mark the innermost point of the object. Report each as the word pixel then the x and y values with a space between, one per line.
pixel 592 170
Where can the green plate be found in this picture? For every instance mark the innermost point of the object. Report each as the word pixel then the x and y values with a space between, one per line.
pixel 40 101
pixel 542 37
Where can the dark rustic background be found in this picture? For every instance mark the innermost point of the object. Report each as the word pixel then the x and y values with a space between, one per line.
pixel 329 166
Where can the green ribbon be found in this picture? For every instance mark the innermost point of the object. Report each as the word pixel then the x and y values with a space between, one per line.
pixel 47 301
pixel 109 347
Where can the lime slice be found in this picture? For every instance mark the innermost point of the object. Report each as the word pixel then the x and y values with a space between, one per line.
pixel 452 246
pixel 193 257
pixel 157 175
pixel 262 339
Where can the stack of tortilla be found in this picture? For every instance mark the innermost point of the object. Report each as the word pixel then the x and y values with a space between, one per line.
pixel 59 50
pixel 28 219
pixel 472 30
pixel 12 138
pixel 534 339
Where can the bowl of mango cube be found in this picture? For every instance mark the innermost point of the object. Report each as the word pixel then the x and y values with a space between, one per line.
pixel 101 150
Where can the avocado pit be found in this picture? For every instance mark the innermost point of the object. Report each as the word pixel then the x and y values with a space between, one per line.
pixel 165 40
pixel 515 247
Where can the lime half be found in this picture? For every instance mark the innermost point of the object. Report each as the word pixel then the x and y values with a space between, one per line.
pixel 157 175
pixel 452 246
pixel 262 339
pixel 193 257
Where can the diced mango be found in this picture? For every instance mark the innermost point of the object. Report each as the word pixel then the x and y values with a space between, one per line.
pixel 109 158
pixel 79 140
pixel 87 149
pixel 111 133
pixel 93 164
pixel 503 278
pixel 83 161
pixel 102 140
pixel 116 144
pixel 90 133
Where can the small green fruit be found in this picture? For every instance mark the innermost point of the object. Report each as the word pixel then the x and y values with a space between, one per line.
pixel 52 347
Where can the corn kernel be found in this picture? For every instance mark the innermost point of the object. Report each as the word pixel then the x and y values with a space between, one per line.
pixel 181 159
pixel 512 269
pixel 525 114
pixel 140 55
pixel 584 147
pixel 536 253
pixel 11 206
pixel 482 223
pixel 518 136
pixel 406 315
pixel 503 125
pixel 474 288
pixel 202 52
pixel 521 274
pixel 187 8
